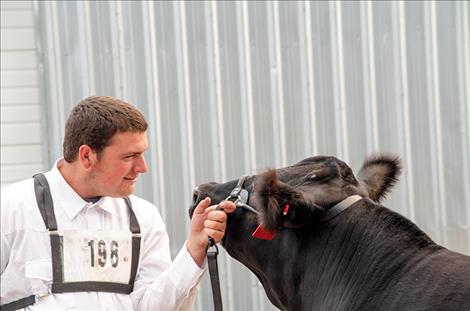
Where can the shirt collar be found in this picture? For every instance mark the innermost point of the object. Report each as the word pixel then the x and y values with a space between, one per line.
pixel 64 195
pixel 107 204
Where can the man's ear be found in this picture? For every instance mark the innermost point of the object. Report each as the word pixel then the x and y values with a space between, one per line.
pixel 86 156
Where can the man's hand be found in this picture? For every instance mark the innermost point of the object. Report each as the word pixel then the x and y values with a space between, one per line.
pixel 207 222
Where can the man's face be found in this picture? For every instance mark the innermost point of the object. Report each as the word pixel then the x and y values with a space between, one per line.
pixel 114 173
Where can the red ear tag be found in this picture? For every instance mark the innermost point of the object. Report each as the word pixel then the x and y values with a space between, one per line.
pixel 264 234
pixel 285 210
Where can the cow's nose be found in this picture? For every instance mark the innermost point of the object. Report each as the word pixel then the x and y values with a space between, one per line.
pixel 195 196
pixel 194 202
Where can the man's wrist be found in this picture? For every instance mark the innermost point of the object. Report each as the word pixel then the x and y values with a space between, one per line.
pixel 197 252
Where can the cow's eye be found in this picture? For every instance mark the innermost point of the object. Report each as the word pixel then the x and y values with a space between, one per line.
pixel 320 175
pixel 314 177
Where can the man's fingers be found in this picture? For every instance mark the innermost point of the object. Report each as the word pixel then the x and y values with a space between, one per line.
pixel 202 206
pixel 226 206
pixel 215 225
pixel 219 216
pixel 216 235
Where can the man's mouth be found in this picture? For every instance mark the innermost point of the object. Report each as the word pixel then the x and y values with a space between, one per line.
pixel 131 178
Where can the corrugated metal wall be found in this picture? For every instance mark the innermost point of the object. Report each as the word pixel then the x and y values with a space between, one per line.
pixel 236 87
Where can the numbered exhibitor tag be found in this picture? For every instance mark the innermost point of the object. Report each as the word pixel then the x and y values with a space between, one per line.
pixel 97 255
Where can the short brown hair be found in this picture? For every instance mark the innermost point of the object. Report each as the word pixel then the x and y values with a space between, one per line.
pixel 95 120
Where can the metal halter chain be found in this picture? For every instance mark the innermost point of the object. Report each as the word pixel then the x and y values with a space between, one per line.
pixel 240 197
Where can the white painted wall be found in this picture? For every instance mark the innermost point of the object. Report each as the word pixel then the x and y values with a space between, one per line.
pixel 21 146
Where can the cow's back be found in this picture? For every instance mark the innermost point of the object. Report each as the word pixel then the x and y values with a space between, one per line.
pixel 440 281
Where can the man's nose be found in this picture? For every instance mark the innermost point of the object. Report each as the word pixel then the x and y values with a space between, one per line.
pixel 141 166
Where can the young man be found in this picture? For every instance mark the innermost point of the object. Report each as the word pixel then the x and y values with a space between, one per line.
pixel 76 237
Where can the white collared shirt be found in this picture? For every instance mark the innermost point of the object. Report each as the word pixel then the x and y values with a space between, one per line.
pixel 25 253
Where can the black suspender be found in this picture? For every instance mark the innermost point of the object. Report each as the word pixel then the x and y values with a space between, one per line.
pixel 19 304
pixel 46 207
pixel 135 229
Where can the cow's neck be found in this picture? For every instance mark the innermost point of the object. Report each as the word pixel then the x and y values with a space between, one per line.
pixel 344 261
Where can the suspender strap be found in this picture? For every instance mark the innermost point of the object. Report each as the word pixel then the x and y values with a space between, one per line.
pixel 71 287
pixel 46 207
pixel 44 199
pixel 136 236
pixel 19 304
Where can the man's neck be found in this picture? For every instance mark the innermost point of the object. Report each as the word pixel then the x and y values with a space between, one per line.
pixel 75 178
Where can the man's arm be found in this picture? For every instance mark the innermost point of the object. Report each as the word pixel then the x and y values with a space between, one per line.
pixel 207 222
pixel 165 285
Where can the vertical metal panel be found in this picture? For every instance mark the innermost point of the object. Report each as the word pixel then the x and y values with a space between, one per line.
pixel 354 41
pixel 293 52
pixel 452 178
pixel 322 58
pixel 234 87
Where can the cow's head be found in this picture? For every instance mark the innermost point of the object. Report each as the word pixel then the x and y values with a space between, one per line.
pixel 309 188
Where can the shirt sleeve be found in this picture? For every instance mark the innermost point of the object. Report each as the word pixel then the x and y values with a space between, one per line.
pixel 5 245
pixel 4 251
pixel 163 284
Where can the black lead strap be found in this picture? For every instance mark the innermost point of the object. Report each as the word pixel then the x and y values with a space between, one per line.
pixel 240 197
pixel 214 276
pixel 212 251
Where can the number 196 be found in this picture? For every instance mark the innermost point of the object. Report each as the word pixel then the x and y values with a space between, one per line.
pixel 102 253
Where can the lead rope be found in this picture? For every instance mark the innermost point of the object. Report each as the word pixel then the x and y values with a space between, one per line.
pixel 212 252
pixel 240 197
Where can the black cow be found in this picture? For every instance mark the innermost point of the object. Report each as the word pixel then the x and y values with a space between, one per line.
pixel 365 257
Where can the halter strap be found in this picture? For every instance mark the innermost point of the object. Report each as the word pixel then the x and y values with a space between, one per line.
pixel 340 207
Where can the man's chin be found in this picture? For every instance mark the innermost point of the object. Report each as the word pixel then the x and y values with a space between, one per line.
pixel 123 192
pixel 128 192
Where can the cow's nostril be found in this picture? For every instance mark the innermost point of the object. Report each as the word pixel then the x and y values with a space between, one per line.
pixel 195 196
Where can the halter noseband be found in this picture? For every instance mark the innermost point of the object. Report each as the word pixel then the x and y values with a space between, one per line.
pixel 240 196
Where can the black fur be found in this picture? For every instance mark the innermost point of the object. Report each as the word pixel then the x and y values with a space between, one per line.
pixel 366 258
pixel 380 172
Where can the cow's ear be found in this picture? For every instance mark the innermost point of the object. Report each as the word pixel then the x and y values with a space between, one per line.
pixel 271 196
pixel 379 173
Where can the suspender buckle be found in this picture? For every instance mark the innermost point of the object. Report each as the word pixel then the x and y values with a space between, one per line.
pixel 41 296
pixel 53 232
pixel 136 235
